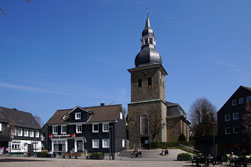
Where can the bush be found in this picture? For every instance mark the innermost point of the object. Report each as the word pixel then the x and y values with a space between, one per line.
pixel 97 154
pixel 182 138
pixel 41 154
pixel 184 157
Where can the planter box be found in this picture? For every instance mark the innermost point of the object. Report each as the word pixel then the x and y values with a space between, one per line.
pixel 183 158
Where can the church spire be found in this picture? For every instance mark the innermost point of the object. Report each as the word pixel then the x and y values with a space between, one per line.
pixel 148 54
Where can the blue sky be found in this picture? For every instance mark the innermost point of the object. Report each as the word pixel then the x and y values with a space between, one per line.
pixel 58 54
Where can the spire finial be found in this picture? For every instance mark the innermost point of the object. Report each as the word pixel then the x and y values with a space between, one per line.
pixel 147 19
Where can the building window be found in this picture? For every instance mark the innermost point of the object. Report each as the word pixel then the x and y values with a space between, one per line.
pixel 37 133
pixel 151 41
pixel 105 127
pixel 26 133
pixel 139 83
pixel 0 127
pixel 234 102
pixel 227 117
pixel 78 116
pixel 235 115
pixel 248 99
pixel 227 130
pixel 31 133
pixel 13 132
pixel 144 124
pixel 15 146
pixel 78 128
pixel 105 143
pixel 123 143
pixel 54 129
pixel 95 128
pixel 121 115
pixel 149 80
pixel 63 129
pixel 241 100
pixel 146 41
pixel 236 129
pixel 20 132
pixel 95 143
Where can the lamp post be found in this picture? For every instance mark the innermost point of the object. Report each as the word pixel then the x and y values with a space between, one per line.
pixel 214 134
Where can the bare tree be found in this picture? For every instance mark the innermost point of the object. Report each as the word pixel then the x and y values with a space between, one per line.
pixel 38 120
pixel 247 120
pixel 203 117
pixel 157 125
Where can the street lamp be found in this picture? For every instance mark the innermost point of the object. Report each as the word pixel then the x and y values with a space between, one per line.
pixel 214 135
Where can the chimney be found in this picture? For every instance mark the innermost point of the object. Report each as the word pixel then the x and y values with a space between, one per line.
pixel 102 104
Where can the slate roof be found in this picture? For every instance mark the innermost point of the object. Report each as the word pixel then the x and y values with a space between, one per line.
pixel 19 118
pixel 99 114
pixel 249 88
pixel 174 109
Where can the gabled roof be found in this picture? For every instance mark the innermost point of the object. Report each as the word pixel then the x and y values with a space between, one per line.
pixel 241 87
pixel 19 118
pixel 99 114
pixel 248 88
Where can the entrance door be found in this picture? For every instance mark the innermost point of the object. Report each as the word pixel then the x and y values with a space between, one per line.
pixel 145 143
pixel 60 147
pixel 80 145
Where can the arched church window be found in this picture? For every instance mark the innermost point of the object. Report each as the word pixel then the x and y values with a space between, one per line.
pixel 151 41
pixel 140 83
pixel 146 41
pixel 143 124
pixel 149 81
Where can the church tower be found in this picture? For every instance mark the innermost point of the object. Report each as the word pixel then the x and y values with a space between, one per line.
pixel 147 109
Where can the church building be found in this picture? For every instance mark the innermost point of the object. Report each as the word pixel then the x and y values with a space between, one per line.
pixel 149 116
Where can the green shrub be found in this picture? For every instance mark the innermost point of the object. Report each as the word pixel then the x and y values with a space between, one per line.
pixel 182 138
pixel 41 154
pixel 97 154
pixel 184 157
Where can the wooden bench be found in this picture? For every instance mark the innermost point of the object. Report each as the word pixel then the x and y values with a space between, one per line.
pixel 75 154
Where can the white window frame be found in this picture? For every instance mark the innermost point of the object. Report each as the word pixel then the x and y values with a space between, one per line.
pixel 103 127
pixel 93 131
pixel 79 125
pixel 241 100
pixel 26 133
pixel 31 133
pixel 234 129
pixel 77 115
pixel 93 141
pixel 37 133
pixel 248 99
pixel 1 127
pixel 53 130
pixel 234 118
pixel 62 129
pixel 20 134
pixel 234 102
pixel 103 143
pixel 226 117
pixel 226 130
pixel 123 143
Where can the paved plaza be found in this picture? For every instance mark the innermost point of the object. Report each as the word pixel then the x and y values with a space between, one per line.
pixel 153 159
